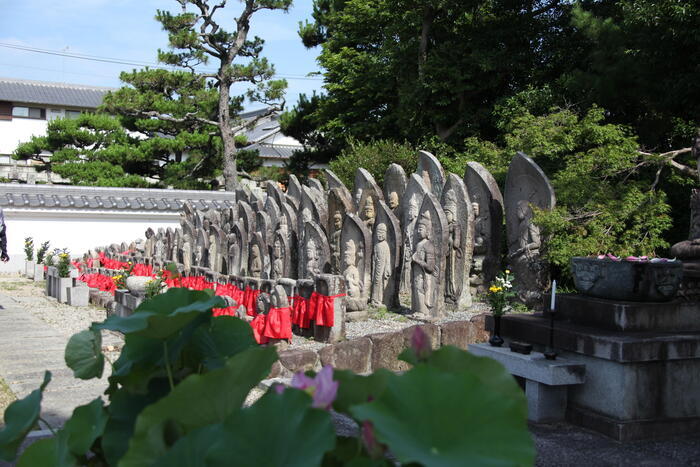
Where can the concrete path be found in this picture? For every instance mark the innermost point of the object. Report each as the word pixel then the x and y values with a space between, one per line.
pixel 28 346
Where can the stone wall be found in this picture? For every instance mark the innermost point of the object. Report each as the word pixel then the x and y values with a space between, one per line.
pixel 369 353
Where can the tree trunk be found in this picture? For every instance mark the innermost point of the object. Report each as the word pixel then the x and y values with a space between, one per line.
pixel 230 170
pixel 424 36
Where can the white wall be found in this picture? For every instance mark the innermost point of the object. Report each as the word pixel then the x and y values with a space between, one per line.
pixel 19 130
pixel 78 231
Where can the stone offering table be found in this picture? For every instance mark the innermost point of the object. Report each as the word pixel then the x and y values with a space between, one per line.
pixel 546 381
pixel 642 362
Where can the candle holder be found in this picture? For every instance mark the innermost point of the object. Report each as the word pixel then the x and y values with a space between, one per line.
pixel 549 352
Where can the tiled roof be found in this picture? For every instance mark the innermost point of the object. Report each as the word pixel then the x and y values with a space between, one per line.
pixel 14 195
pixel 60 94
pixel 275 151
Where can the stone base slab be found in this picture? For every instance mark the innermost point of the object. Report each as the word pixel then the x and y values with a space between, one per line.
pixel 631 430
pixel 678 315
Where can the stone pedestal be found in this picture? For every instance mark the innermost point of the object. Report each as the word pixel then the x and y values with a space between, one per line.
pixel 546 381
pixel 29 269
pixel 79 296
pixel 38 272
pixel 62 286
pixel 642 363
pixel 330 285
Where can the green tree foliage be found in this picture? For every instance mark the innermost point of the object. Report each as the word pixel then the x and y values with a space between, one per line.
pixel 197 36
pixel 412 69
pixel 375 156
pixel 172 128
pixel 638 59
pixel 93 149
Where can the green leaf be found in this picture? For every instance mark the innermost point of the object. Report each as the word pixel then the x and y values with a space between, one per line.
pixel 84 354
pixel 226 336
pixel 20 417
pixel 163 315
pixel 438 418
pixel 74 440
pixel 85 426
pixel 489 372
pixel 355 389
pixel 279 430
pixel 123 410
pixel 199 400
pixel 191 450
pixel 51 452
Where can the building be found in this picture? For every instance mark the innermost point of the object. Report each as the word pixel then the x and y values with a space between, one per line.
pixel 267 138
pixel 26 107
pixel 82 218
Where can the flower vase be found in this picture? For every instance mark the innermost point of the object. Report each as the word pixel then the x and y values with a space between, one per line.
pixel 496 340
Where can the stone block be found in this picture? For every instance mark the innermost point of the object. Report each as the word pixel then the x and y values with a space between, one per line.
pixel 456 333
pixel 299 360
pixel 38 272
pixel 278 371
pixel 29 269
pixel 534 366
pixel 63 284
pixel 386 348
pixel 354 355
pixel 545 403
pixel 477 331
pixel 78 296
pixel 132 301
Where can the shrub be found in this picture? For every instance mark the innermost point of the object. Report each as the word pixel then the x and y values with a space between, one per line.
pixel 41 252
pixel 63 265
pixel 376 157
pixel 28 248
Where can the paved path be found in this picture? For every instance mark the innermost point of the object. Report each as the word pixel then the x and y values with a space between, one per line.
pixel 28 346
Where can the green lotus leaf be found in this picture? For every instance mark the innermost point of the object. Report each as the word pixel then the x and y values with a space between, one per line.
pixel 84 356
pixel 199 400
pixel 163 315
pixel 439 419
pixel 278 430
pixel 20 417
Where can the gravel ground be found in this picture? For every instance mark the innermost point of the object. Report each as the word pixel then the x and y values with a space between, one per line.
pixel 65 319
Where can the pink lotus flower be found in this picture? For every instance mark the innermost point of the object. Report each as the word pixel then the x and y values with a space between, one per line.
pixel 322 388
pixel 420 343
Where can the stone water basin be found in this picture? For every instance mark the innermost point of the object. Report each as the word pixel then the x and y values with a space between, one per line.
pixel 636 281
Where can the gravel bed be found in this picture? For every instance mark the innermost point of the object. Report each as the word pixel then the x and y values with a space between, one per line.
pixel 65 319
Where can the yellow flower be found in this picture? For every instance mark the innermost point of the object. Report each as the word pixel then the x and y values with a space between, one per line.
pixel 495 289
pixel 507 271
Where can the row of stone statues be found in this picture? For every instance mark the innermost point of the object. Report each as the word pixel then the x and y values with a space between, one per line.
pixel 428 240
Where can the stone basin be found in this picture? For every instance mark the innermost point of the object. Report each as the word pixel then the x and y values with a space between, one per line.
pixel 634 281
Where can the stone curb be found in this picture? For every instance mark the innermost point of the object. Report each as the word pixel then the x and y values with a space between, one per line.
pixel 369 353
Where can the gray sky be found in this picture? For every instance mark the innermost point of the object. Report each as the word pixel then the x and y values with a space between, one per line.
pixel 126 30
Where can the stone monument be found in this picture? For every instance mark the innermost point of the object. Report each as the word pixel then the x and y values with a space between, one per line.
pixel 428 259
pixel 526 187
pixel 411 202
pixel 394 186
pixel 386 259
pixel 487 207
pixel 355 262
pixel 460 235
pixel 431 171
